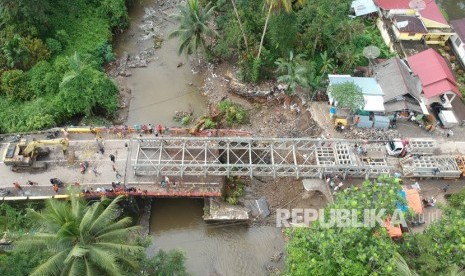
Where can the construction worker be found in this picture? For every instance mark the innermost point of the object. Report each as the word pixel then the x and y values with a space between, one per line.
pixel 162 182
pixel 17 186
pixel 450 133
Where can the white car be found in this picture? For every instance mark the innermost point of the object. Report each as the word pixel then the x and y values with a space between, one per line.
pixel 395 148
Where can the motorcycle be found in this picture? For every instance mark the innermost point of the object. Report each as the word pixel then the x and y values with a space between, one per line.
pixel 56 181
pixel 429 202
pixel 417 223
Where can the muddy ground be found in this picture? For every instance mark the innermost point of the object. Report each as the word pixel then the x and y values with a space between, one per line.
pixel 284 193
pixel 270 112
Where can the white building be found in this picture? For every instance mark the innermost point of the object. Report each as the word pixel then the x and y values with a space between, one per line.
pixel 458 39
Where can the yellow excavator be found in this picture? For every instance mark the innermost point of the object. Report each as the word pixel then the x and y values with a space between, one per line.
pixel 23 154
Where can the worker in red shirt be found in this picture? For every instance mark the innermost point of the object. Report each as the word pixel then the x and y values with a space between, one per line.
pixel 17 186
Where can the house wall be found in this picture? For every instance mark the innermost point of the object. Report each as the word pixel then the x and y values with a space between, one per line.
pixel 384 34
pixel 447 104
pixel 433 38
pixel 457 45
pixel 406 36
pixel 399 12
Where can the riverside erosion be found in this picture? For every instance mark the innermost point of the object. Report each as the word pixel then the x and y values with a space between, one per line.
pixel 155 83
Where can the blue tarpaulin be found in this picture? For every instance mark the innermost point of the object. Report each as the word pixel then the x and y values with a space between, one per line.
pixel 400 206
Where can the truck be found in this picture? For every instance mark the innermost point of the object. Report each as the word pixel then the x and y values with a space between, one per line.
pixel 447 118
pixel 402 147
pixel 22 155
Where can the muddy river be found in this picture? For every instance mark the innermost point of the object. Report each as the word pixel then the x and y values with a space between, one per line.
pixel 214 248
pixel 158 91
pixel 163 87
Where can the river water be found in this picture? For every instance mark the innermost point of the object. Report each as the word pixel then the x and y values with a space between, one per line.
pixel 159 90
pixel 162 88
pixel 214 248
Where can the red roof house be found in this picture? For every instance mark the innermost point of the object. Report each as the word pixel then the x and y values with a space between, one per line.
pixel 431 11
pixel 393 4
pixel 434 73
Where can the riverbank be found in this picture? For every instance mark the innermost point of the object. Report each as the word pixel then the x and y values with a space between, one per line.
pixel 270 114
pixel 155 83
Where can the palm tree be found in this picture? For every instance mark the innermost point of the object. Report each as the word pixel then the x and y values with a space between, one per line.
pixel 75 66
pixel 276 5
pixel 293 72
pixel 402 267
pixel 193 29
pixel 84 239
pixel 327 63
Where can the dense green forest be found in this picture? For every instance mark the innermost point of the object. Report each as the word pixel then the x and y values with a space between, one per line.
pixel 51 58
pixel 52 52
pixel 304 40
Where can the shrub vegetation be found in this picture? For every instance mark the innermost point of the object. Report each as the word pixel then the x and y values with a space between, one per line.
pixel 41 82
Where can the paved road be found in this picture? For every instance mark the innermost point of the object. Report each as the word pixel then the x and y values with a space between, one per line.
pixel 69 172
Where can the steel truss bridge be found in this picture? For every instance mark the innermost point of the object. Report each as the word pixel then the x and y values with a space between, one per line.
pixel 246 156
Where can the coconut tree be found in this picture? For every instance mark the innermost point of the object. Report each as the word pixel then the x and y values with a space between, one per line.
pixel 84 239
pixel 327 63
pixel 278 6
pixel 402 267
pixel 193 30
pixel 75 66
pixel 293 73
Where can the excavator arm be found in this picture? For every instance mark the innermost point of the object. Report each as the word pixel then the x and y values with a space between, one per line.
pixel 34 145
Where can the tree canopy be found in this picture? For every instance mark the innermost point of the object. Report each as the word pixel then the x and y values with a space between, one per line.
pixel 37 41
pixel 84 239
pixel 193 27
pixel 17 223
pixel 292 72
pixel 319 250
pixel 441 248
pixel 348 95
pixel 320 30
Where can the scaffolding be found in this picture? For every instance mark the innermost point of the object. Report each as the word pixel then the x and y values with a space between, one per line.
pixel 240 156
pixel 431 166
pixel 422 146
